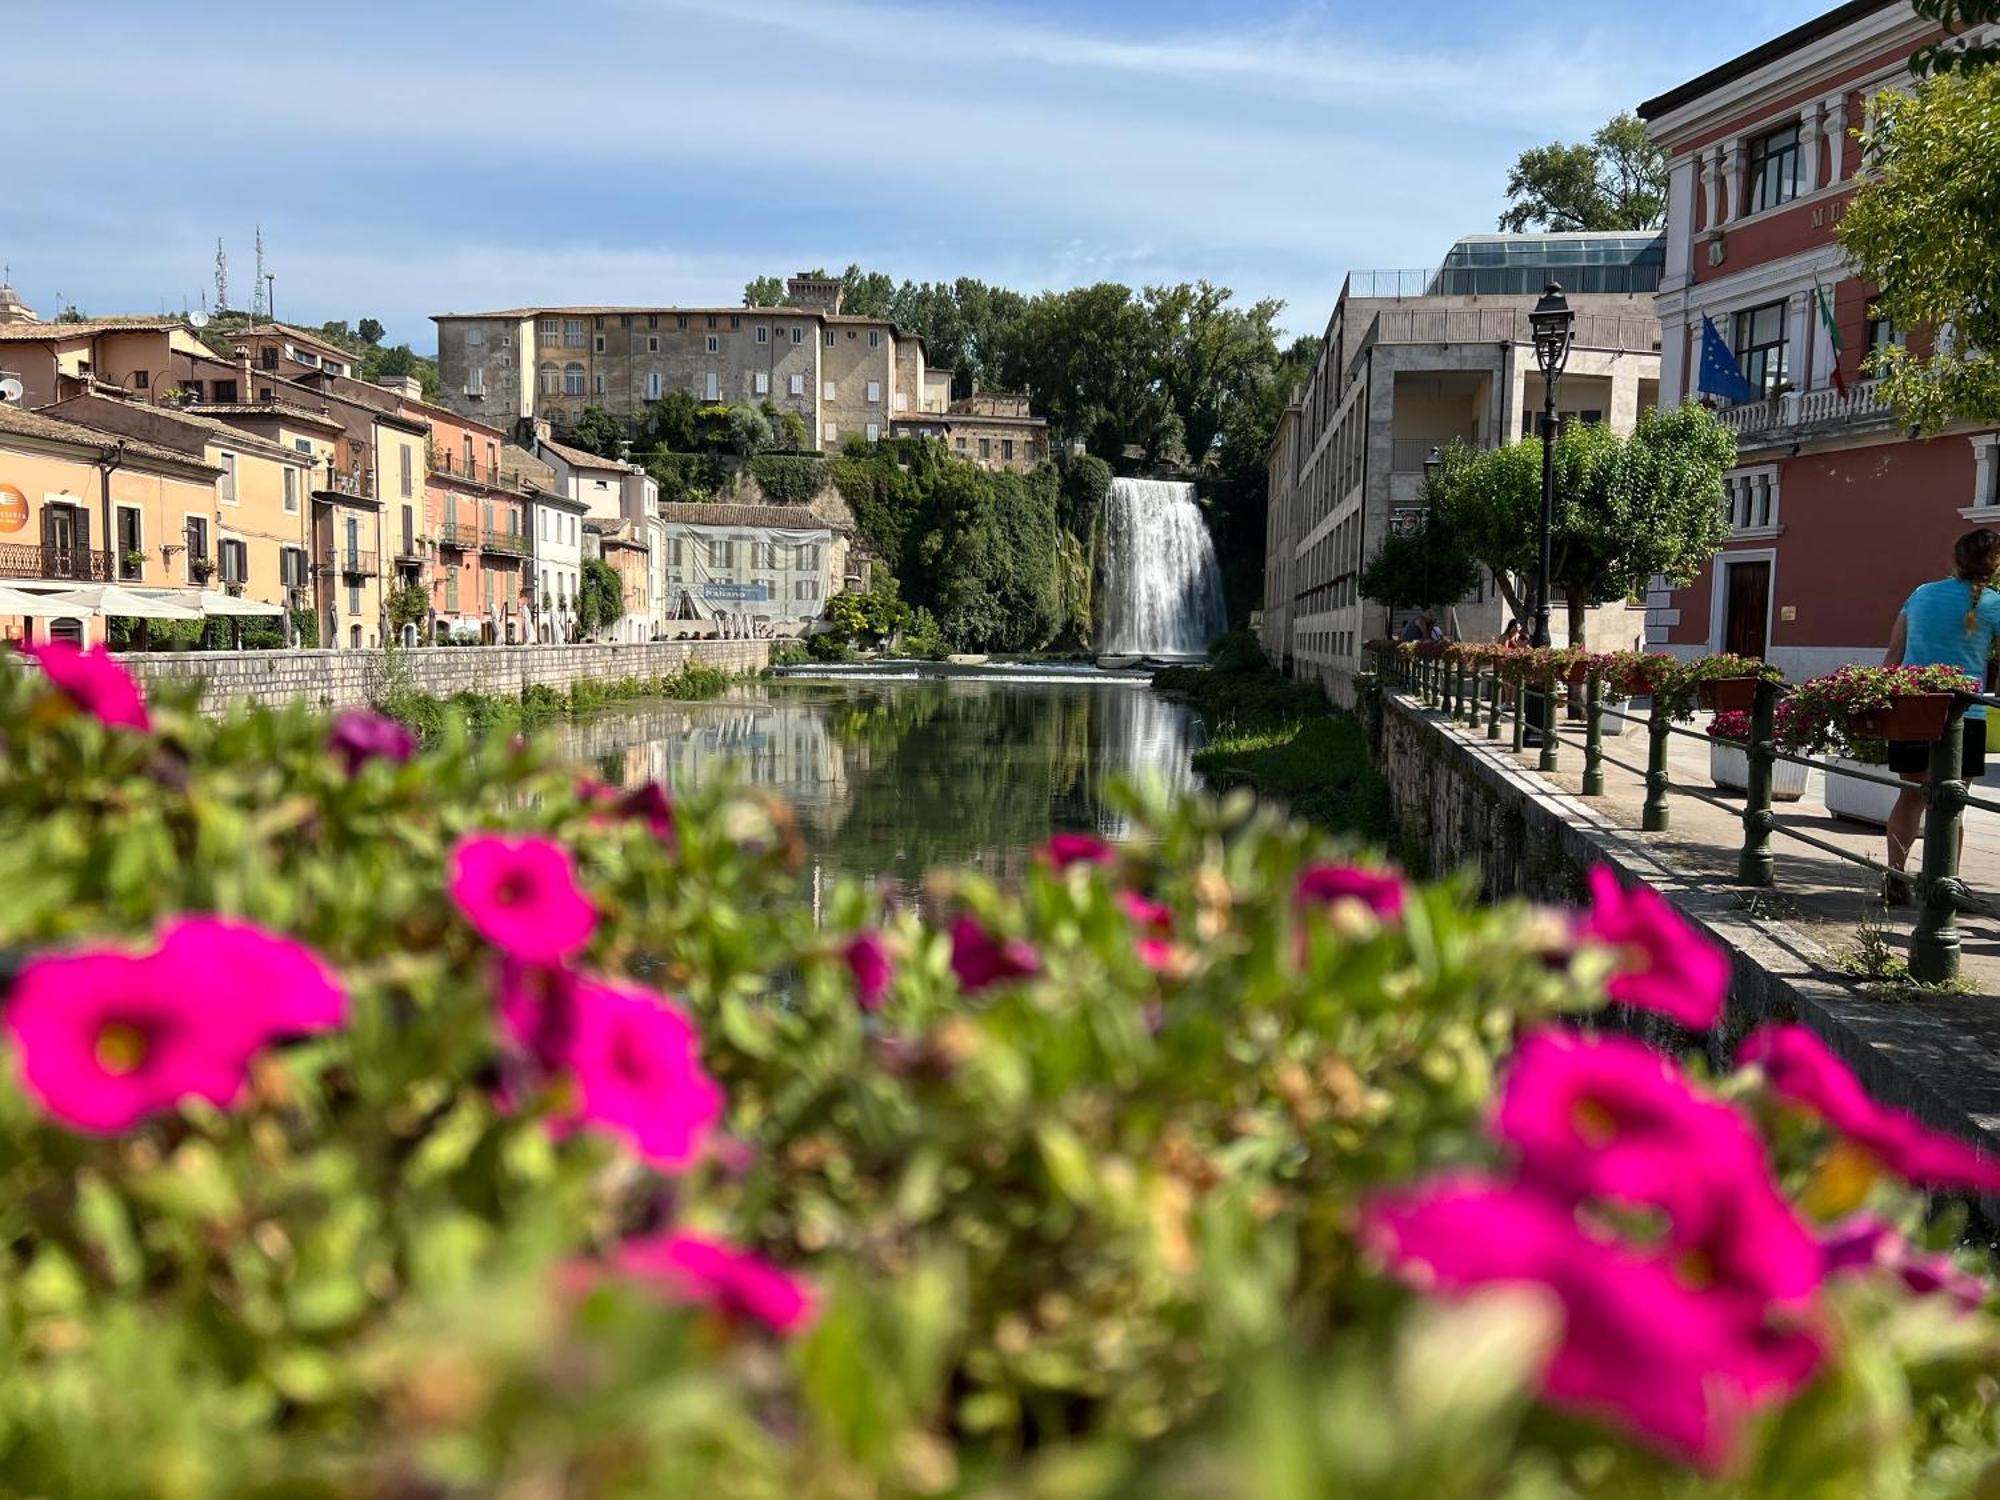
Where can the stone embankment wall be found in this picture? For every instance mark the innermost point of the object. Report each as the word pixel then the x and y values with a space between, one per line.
pixel 1465 804
pixel 338 679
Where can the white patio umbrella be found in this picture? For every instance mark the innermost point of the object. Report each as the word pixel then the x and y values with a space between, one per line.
pixel 110 599
pixel 54 606
pixel 215 602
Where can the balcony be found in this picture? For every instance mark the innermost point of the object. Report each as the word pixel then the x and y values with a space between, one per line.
pixel 506 543
pixel 51 560
pixel 458 535
pixel 352 562
pixel 457 466
pixel 1799 415
pixel 357 479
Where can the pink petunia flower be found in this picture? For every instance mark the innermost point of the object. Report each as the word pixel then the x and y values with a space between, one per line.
pixel 636 1062
pixel 867 955
pixel 1665 965
pixel 359 736
pixel 107 1039
pixel 736 1283
pixel 1066 849
pixel 1868 1244
pixel 1381 893
pixel 94 682
pixel 1607 1118
pixel 1678 1369
pixel 1800 1068
pixel 538 1011
pixel 522 896
pixel 271 982
pixel 980 959
pixel 1155 921
pixel 650 804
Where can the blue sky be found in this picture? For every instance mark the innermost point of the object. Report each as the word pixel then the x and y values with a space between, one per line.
pixel 413 158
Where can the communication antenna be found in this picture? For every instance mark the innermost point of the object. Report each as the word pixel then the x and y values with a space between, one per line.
pixel 197 320
pixel 10 390
pixel 221 276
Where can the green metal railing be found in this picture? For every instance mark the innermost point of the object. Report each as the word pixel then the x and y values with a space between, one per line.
pixel 1459 689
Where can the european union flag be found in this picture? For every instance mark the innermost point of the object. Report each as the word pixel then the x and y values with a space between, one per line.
pixel 1720 374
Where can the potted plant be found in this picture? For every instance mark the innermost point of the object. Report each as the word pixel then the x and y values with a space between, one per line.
pixel 1724 683
pixel 201 569
pixel 132 564
pixel 1729 758
pixel 1637 674
pixel 1851 715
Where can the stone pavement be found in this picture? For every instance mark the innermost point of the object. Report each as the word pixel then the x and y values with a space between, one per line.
pixel 1834 902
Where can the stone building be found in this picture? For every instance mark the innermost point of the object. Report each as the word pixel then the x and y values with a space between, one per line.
pixel 994 429
pixel 1836 511
pixel 767 569
pixel 1413 362
pixel 842 375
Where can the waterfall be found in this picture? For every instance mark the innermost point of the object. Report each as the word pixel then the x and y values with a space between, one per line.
pixel 1162 587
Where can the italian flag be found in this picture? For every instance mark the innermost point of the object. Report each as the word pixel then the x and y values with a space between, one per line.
pixel 1833 336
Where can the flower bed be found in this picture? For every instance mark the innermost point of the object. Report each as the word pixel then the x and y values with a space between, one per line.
pixel 507 1133
pixel 1729 760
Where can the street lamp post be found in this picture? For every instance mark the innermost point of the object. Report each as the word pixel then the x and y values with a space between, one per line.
pixel 1433 467
pixel 1553 322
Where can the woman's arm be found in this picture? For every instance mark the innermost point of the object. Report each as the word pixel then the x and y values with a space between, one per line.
pixel 1899 640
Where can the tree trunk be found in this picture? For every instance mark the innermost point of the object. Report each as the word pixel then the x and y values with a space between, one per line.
pixel 1578 610
pixel 1512 599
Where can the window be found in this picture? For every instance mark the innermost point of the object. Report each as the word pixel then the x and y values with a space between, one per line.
pixel 451 589
pixel 874 338
pixel 291 491
pixel 762 383
pixel 354 607
pixel 763 334
pixel 874 432
pixel 712 387
pixel 1773 176
pixel 798 385
pixel 680 320
pixel 292 567
pixel 597 344
pixel 1760 346
pixel 551 380
pixel 269 358
pixel 652 320
pixel 714 345
pixel 197 543
pixel 597 322
pixel 303 445
pixel 652 343
pixel 721 552
pixel 572 379
pixel 806 588
pixel 142 380
pixel 711 320
pixel 828 391
pixel 224 393
pixel 548 331
pixel 475 383
pixel 874 392
pixel 1007 449
pixel 225 486
pixel 653 385
pixel 474 338
pixel 408 465
pixel 958 443
pixel 798 335
pixel 597 383
pixel 573 333
pixel 832 432
pixel 1753 499
pixel 735 320
pixel 829 338
pixel 233 561
pixel 1882 332
pixel 674 553
pixel 193 388
pixel 807 557
pixel 986 447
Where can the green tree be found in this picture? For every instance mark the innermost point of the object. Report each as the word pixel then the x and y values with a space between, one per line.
pixel 1239 490
pixel 1208 355
pixel 1626 509
pixel 1616 180
pixel 370 331
pixel 1087 356
pixel 1424 568
pixel 600 598
pixel 672 423
pixel 764 291
pixel 1956 17
pixel 597 431
pixel 409 604
pixel 1922 228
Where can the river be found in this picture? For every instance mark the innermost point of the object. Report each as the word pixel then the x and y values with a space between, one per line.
pixel 891 776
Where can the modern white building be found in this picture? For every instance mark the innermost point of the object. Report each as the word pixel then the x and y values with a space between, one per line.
pixel 555 522
pixel 752 569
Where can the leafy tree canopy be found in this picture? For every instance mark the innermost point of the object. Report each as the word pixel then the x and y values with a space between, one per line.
pixel 1922 229
pixel 1616 180
pixel 1957 16
pixel 1426 568
pixel 597 431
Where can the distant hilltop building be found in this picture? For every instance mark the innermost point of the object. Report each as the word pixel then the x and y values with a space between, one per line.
pixel 843 375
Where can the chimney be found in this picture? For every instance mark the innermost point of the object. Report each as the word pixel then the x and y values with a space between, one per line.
pixel 245 390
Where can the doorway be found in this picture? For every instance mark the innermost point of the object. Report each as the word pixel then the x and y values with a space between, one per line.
pixel 1746 620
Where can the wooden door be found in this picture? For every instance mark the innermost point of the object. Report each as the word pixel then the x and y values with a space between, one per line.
pixel 1746 622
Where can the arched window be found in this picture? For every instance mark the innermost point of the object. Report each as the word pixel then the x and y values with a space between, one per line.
pixel 572 379
pixel 551 380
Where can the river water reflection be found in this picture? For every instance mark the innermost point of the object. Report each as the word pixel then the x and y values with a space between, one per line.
pixel 891 777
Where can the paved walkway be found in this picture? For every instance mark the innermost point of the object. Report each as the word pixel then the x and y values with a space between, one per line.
pixel 1836 903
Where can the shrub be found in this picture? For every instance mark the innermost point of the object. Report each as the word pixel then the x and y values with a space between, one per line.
pixel 787 479
pixel 1204 1166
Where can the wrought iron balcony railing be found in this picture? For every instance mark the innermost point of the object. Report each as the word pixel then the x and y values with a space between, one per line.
pixel 52 560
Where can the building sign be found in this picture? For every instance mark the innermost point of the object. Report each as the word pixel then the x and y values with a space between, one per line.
pixel 734 593
pixel 13 508
pixel 1407 520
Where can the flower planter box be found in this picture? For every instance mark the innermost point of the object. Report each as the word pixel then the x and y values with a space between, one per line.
pixel 1729 694
pixel 1729 769
pixel 1917 716
pixel 1614 725
pixel 1861 801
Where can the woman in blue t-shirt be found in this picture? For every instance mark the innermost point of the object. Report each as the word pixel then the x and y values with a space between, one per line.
pixel 1952 622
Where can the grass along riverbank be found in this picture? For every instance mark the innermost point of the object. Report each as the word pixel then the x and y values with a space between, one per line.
pixel 539 704
pixel 1283 740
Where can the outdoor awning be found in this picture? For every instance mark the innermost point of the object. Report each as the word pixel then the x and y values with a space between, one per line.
pixel 110 599
pixel 54 606
pixel 214 602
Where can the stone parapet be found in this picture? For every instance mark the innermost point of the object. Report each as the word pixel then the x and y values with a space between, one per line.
pixel 341 679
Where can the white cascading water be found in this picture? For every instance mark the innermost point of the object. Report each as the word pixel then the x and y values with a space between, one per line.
pixel 1162 586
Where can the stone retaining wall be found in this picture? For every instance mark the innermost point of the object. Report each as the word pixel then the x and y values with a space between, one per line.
pixel 337 679
pixel 1462 803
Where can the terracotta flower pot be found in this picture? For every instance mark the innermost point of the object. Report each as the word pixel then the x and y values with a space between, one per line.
pixel 1916 716
pixel 1578 675
pixel 1729 694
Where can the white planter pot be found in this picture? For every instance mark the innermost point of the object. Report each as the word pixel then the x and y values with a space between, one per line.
pixel 1729 769
pixel 1617 725
pixel 1862 801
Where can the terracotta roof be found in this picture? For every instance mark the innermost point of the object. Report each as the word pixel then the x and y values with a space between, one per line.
pixel 787 517
pixel 580 458
pixel 56 429
pixel 277 410
pixel 298 336
pixel 204 426
pixel 30 333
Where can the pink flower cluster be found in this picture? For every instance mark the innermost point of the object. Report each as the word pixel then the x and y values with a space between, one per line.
pixel 93 682
pixel 1680 1340
pixel 359 736
pixel 1381 893
pixel 106 1039
pixel 1664 965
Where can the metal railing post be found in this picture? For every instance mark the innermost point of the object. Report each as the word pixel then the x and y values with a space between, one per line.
pixel 1656 816
pixel 1593 737
pixel 1934 945
pixel 1548 725
pixel 1756 866
pixel 1472 695
pixel 1493 704
pixel 1520 713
